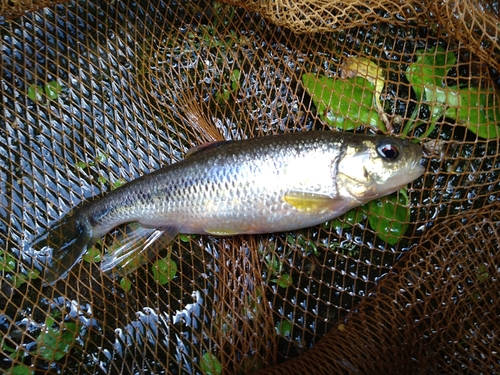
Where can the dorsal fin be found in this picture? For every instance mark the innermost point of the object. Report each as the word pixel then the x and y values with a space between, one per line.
pixel 204 147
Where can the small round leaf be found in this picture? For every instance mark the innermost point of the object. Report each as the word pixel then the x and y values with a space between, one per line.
pixel 389 216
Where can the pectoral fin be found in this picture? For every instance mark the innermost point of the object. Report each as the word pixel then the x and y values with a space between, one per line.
pixel 315 203
pixel 131 250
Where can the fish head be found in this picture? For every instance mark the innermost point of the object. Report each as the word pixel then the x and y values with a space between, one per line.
pixel 377 166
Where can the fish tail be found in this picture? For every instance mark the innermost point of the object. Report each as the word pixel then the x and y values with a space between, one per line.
pixel 62 247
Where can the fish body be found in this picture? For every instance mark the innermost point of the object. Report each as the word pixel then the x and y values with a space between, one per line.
pixel 261 185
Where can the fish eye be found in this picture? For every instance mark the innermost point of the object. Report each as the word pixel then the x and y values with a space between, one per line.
pixel 388 151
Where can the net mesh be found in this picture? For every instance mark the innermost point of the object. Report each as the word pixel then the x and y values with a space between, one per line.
pixel 423 316
pixel 98 93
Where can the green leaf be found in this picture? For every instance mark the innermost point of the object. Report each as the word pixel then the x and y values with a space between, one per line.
pixel 7 262
pixel 210 364
pixel 478 110
pixel 5 347
pixel 125 284
pixel 20 370
pixel 53 89
pixel 430 69
pixel 102 180
pixel 81 165
pixel 389 216
pixel 15 354
pixel 184 238
pixel 33 274
pixel 235 79
pixel 223 97
pixel 54 343
pixel 359 66
pixel 118 183
pixel 92 255
pixel 284 328
pixel 350 218
pixel 343 103
pixel 273 264
pixel 101 157
pixel 164 270
pixel 20 279
pixel 284 280
pixel 35 93
pixel 474 108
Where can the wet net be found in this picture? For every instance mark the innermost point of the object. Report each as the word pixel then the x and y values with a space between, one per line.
pixel 95 94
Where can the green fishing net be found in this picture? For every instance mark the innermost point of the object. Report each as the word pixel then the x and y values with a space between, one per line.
pixel 98 93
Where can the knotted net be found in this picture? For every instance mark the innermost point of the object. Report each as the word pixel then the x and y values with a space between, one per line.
pixel 98 93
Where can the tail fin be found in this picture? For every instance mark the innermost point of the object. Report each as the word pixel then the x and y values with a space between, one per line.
pixel 60 248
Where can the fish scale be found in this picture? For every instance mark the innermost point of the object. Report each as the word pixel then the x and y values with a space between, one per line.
pixel 260 185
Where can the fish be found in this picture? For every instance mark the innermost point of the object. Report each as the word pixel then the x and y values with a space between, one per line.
pixel 260 185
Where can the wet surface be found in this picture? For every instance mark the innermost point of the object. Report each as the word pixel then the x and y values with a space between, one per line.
pixel 122 69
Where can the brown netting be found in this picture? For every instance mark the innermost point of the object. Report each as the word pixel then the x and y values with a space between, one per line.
pixel 98 93
pixel 472 23
pixel 436 311
pixel 14 8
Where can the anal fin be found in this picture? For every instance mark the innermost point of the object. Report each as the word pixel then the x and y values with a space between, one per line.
pixel 220 231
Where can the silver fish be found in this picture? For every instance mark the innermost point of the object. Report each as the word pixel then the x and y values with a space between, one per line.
pixel 261 185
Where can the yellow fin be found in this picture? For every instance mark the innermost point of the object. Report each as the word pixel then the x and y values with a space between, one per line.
pixel 221 231
pixel 312 202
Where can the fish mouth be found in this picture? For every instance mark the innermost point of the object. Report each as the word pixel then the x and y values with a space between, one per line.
pixel 416 169
pixel 416 165
pixel 402 179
